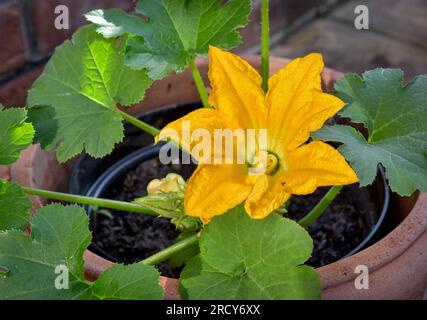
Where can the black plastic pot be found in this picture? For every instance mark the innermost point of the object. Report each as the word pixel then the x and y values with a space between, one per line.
pixel 105 184
pixel 381 191
pixel 100 177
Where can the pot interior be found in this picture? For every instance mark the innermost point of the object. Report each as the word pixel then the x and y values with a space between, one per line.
pixel 351 223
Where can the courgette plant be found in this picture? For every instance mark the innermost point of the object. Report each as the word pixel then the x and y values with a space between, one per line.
pixel 235 242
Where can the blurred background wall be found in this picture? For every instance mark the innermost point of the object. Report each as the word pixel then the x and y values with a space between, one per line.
pixel 397 35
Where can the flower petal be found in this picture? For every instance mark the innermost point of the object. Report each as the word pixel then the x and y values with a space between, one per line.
pixel 296 104
pixel 204 121
pixel 324 107
pixel 214 189
pixel 236 90
pixel 267 195
pixel 315 165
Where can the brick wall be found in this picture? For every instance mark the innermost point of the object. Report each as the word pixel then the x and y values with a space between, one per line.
pixel 28 36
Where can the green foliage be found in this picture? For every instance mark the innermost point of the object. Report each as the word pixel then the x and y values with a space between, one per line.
pixel 395 118
pixel 174 32
pixel 243 258
pixel 131 282
pixel 75 99
pixel 59 237
pixel 15 134
pixel 14 206
pixel 181 258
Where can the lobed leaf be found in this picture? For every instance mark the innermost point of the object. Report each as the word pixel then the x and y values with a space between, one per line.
pixel 59 237
pixel 394 116
pixel 243 258
pixel 15 134
pixel 14 206
pixel 74 102
pixel 173 32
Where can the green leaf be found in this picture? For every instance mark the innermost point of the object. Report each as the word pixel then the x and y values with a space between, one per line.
pixel 14 206
pixel 15 134
pixel 243 258
pixel 75 99
pixel 113 23
pixel 395 118
pixel 132 282
pixel 174 31
pixel 59 237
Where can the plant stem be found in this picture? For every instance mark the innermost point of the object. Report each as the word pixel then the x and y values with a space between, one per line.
pixel 265 44
pixel 140 124
pixel 96 202
pixel 320 208
pixel 199 82
pixel 173 249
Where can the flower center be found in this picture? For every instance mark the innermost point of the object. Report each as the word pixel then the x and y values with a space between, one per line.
pixel 264 162
pixel 272 163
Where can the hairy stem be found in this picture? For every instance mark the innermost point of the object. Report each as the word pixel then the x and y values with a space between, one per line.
pixel 320 208
pixel 140 124
pixel 173 249
pixel 96 202
pixel 199 83
pixel 265 44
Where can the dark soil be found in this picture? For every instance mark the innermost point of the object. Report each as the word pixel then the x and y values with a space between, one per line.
pixel 341 228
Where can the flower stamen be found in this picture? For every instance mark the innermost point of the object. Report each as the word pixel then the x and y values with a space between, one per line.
pixel 264 162
pixel 272 163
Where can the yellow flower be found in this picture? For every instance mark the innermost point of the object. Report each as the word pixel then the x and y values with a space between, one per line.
pixel 293 107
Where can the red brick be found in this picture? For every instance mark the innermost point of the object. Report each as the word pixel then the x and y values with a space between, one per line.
pixel 14 92
pixel 12 49
pixel 5 172
pixel 47 37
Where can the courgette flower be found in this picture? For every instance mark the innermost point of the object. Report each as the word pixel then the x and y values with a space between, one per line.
pixel 293 107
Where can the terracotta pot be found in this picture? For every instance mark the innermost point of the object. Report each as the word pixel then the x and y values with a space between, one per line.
pixel 397 264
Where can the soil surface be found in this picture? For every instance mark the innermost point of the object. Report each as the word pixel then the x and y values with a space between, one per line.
pixel 129 238
pixel 341 228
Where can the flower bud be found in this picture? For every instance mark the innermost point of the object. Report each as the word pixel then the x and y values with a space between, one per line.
pixel 171 183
